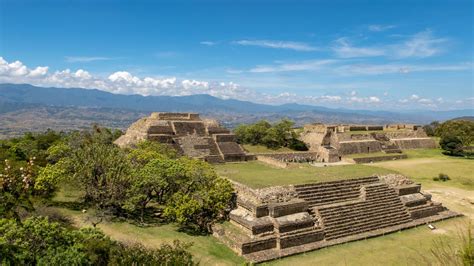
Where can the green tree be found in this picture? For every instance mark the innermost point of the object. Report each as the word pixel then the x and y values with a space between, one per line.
pixel 462 129
pixel 201 199
pixel 16 189
pixel 157 180
pixel 452 145
pixel 280 134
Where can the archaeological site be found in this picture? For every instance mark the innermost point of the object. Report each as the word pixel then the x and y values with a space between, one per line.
pixel 332 142
pixel 187 133
pixel 277 221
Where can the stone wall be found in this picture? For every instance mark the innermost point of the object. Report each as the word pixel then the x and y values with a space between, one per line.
pixel 354 147
pixel 415 143
pixel 380 158
pixel 291 157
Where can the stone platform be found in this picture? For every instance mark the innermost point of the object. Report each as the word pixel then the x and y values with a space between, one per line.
pixel 187 133
pixel 274 222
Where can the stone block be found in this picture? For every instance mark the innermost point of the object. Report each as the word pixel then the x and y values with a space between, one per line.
pixel 287 208
pixel 301 239
pixel 293 222
pixel 408 189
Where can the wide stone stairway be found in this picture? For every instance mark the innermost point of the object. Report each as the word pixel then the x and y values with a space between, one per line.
pixel 380 208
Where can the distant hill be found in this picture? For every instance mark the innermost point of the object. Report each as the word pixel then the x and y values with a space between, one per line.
pixel 25 107
pixel 469 118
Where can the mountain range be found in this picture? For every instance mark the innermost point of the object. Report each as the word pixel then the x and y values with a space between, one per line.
pixel 72 108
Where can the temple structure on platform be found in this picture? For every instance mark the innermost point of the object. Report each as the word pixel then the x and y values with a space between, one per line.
pixel 332 142
pixel 187 133
pixel 274 222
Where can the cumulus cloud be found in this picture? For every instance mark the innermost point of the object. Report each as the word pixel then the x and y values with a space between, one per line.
pixel 296 46
pixel 370 99
pixel 121 82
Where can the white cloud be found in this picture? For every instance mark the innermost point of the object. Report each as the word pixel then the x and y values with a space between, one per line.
pixel 38 72
pixel 344 49
pixel 425 101
pixel 208 43
pixel 396 68
pixel 370 99
pixel 123 82
pixel 420 45
pixel 298 66
pixel 379 28
pixel 297 46
pixel 85 59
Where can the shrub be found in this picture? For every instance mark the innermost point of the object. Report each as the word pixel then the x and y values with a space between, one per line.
pixel 442 177
pixel 451 145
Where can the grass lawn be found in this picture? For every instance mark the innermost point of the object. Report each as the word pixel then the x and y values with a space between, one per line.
pixel 264 149
pixel 257 174
pixel 206 249
pixel 424 164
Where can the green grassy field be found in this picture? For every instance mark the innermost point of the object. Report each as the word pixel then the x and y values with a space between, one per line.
pixel 263 149
pixel 422 165
pixel 257 174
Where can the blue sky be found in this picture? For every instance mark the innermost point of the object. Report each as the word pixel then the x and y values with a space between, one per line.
pixel 355 54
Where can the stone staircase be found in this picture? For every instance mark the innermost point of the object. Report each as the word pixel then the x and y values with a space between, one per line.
pixel 390 147
pixel 381 208
pixel 318 194
pixel 200 147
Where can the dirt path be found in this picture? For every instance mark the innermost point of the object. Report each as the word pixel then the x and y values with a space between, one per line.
pixel 455 199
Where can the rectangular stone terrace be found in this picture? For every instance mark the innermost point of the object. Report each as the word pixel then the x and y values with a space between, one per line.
pixel 305 213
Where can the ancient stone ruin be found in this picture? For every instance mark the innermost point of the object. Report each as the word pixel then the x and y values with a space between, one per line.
pixel 332 142
pixel 275 222
pixel 187 133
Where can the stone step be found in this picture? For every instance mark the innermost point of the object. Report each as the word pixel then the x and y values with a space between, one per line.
pixel 367 222
pixel 353 194
pixel 328 191
pixel 337 219
pixel 350 206
pixel 365 229
pixel 356 209
pixel 343 183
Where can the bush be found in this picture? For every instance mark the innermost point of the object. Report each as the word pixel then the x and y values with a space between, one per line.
pixel 37 241
pixel 451 145
pixel 442 177
pixel 136 254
